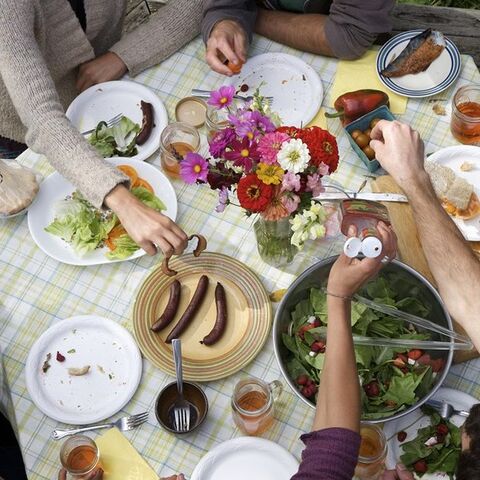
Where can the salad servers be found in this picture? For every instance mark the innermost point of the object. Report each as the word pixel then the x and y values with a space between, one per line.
pixel 206 93
pixel 446 410
pixel 124 424
pixel 110 123
pixel 181 408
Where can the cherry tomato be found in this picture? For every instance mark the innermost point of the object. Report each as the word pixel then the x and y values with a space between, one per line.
pixel 369 152
pixel 355 134
pixel 374 122
pixel 362 140
pixel 367 132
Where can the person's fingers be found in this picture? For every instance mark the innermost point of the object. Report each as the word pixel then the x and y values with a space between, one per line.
pixel 378 129
pixel 389 475
pixel 95 475
pixel 62 474
pixel 403 473
pixel 240 46
pixel 214 61
pixel 387 238
pixel 165 246
pixel 352 231
pixel 175 241
pixel 180 476
pixel 377 146
pixel 149 247
pixel 226 48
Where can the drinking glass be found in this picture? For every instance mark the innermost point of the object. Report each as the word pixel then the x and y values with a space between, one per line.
pixel 373 451
pixel 79 455
pixel 465 123
pixel 253 404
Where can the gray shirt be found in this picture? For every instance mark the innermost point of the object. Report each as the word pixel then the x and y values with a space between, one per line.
pixel 352 25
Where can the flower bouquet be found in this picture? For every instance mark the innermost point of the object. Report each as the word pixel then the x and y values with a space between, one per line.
pixel 275 171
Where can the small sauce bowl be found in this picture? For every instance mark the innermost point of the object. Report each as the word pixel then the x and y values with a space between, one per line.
pixel 166 399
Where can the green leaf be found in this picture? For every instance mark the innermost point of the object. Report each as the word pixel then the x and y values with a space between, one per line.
pixel 318 301
pixel 148 198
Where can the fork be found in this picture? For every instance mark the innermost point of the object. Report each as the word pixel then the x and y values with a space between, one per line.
pixel 206 93
pixel 446 410
pixel 124 424
pixel 181 408
pixel 110 123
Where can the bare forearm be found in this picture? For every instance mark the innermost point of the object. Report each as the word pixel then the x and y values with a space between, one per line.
pixel 452 262
pixel 305 32
pixel 338 403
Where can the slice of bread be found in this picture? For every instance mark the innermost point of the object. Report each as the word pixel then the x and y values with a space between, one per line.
pixel 459 193
pixel 441 177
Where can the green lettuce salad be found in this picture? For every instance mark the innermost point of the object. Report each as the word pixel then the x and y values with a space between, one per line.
pixel 392 378
pixel 119 140
pixel 87 228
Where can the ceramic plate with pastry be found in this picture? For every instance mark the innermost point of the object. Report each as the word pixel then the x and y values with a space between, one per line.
pixel 455 176
pixel 418 63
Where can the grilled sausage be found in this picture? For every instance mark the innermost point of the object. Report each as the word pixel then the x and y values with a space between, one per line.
pixel 201 244
pixel 191 310
pixel 166 269
pixel 221 321
pixel 171 309
pixel 147 123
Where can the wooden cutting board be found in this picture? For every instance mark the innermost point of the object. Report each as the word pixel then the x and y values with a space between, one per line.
pixel 409 247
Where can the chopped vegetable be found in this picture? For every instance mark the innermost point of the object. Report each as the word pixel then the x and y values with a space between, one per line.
pixel 277 295
pixel 72 350
pixel 78 372
pixel 60 357
pixel 46 363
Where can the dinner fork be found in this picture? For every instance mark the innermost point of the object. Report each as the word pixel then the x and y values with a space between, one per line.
pixel 181 408
pixel 110 123
pixel 446 410
pixel 124 424
pixel 206 93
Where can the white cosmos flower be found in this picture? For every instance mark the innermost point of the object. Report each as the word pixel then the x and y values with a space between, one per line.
pixel 293 156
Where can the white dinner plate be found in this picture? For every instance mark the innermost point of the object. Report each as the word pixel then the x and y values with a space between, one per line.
pixel 412 422
pixel 55 188
pixel 105 100
pixel 249 458
pixel 454 157
pixel 442 72
pixel 295 87
pixel 115 370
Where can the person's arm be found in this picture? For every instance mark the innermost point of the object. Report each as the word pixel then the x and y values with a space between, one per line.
pixel 227 28
pixel 332 449
pixel 452 262
pixel 347 32
pixel 49 132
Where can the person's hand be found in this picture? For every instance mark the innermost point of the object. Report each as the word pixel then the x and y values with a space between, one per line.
pixel 400 151
pixel 174 477
pixel 349 274
pixel 228 40
pixel 147 227
pixel 104 68
pixel 96 474
pixel 400 473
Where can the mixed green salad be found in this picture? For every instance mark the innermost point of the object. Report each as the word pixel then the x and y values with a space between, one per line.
pixel 119 140
pixel 392 378
pixel 436 447
pixel 87 228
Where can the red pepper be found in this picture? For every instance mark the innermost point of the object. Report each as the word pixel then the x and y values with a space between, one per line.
pixel 353 105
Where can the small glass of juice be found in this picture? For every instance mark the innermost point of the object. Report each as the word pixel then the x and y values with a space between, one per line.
pixel 373 451
pixel 176 140
pixel 253 404
pixel 465 123
pixel 79 455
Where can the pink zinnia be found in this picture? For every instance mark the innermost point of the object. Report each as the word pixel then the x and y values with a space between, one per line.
pixel 290 201
pixel 222 97
pixel 193 168
pixel 270 144
pixel 314 184
pixel 291 182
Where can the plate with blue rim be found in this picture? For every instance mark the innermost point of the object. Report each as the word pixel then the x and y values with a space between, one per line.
pixel 441 73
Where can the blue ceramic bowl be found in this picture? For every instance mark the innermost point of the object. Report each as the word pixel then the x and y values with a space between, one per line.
pixel 362 124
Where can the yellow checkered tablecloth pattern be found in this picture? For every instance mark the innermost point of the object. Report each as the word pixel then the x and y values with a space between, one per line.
pixel 36 291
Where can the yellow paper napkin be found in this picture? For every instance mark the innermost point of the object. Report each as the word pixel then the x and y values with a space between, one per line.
pixel 120 460
pixel 362 73
pixel 319 120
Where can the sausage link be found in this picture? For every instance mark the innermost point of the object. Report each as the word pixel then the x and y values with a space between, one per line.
pixel 191 310
pixel 147 123
pixel 221 320
pixel 171 309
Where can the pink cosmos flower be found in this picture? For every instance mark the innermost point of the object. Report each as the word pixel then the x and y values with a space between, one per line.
pixel 222 200
pixel 220 142
pixel 222 97
pixel 250 124
pixel 314 184
pixel 270 144
pixel 193 168
pixel 243 154
pixel 290 201
pixel 291 182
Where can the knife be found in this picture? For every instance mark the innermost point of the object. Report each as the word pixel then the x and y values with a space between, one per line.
pixel 378 197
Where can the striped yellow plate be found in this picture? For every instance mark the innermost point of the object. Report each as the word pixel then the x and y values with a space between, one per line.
pixel 248 322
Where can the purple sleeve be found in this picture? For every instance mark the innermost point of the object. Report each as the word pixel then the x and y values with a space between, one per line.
pixel 353 25
pixel 330 454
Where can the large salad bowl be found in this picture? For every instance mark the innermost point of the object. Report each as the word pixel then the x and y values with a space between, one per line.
pixel 405 277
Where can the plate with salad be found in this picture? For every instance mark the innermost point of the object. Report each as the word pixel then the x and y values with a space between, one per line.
pixel 427 444
pixel 139 114
pixel 69 229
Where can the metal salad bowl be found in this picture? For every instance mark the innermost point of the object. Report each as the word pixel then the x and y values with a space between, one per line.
pixel 316 276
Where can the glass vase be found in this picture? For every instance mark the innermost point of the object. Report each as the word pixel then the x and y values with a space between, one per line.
pixel 274 241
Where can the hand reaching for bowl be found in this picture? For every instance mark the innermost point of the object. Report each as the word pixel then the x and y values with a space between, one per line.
pixel 147 227
pixel 349 274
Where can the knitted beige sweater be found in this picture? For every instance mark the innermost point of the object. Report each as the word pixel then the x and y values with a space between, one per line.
pixel 41 46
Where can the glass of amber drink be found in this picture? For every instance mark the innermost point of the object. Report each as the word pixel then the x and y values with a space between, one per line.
pixel 253 404
pixel 465 123
pixel 373 451
pixel 176 140
pixel 79 455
